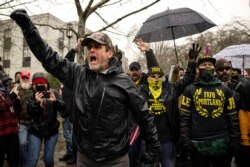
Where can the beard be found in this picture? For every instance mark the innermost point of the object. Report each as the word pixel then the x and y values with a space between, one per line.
pixel 224 77
pixel 25 85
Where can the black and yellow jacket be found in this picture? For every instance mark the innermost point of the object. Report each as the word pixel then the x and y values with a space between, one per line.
pixel 165 107
pixel 208 112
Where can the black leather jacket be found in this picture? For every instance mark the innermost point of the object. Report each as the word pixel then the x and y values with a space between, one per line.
pixel 102 103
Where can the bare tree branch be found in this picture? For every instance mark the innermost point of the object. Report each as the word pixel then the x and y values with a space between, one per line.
pixel 89 5
pixel 2 6
pixel 101 17
pixel 245 30
pixel 95 7
pixel 127 15
pixel 56 28
pixel 110 4
pixel 7 2
pixel 78 8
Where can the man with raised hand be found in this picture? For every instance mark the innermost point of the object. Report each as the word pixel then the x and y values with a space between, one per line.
pixel 103 98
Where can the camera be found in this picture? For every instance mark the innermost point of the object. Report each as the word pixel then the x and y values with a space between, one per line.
pixel 46 95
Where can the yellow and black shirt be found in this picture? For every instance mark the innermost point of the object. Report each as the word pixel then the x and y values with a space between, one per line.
pixel 208 112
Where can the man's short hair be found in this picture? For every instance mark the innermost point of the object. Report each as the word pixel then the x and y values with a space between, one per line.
pixel 135 65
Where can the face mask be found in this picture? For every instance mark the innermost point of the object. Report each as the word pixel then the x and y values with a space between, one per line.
pixel 155 87
pixel 40 88
pixel 207 74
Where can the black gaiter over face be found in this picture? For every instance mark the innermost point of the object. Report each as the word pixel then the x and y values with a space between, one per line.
pixel 207 74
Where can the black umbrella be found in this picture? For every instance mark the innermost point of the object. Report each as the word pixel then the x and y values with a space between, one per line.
pixel 173 24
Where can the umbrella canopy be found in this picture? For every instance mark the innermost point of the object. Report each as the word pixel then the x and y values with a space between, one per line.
pixel 173 24
pixel 239 55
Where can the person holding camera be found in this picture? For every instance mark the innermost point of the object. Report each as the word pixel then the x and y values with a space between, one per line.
pixel 43 108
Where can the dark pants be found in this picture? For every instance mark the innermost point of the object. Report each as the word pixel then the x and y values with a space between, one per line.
pixel 199 160
pixel 9 145
pixel 135 151
pixel 243 157
pixel 83 161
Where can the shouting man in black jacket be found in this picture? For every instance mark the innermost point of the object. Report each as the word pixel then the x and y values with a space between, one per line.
pixel 103 98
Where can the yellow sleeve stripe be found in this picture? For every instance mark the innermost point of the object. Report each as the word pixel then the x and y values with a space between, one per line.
pixel 232 113
pixel 184 110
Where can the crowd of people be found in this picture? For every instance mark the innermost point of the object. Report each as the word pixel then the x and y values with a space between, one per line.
pixel 198 116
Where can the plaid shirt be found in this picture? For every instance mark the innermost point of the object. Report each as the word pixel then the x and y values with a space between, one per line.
pixel 8 118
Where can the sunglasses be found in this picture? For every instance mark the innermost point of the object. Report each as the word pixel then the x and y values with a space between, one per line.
pixel 155 76
pixel 222 69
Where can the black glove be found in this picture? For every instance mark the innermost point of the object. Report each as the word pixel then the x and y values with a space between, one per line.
pixel 22 19
pixel 194 52
pixel 234 84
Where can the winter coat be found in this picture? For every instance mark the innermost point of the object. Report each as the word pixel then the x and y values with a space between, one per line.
pixel 45 122
pixel 208 112
pixel 67 95
pixel 24 95
pixel 101 103
pixel 9 109
pixel 168 122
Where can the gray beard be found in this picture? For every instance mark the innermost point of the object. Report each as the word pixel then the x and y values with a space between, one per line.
pixel 26 85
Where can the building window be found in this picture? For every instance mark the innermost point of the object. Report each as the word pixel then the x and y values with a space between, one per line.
pixel 60 44
pixel 6 58
pixel 26 54
pixel 6 48
pixel 61 41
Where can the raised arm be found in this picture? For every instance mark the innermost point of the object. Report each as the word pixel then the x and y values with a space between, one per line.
pixel 150 56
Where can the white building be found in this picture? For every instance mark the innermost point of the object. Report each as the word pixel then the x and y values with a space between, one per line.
pixel 14 52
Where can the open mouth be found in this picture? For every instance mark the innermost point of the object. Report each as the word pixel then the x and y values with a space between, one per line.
pixel 92 58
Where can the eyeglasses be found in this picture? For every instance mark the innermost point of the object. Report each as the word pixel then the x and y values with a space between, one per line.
pixel 222 69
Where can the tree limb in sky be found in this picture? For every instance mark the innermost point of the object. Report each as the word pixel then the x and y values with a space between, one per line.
pixel 92 8
pixel 58 28
pixel 11 4
pixel 245 27
pixel 127 15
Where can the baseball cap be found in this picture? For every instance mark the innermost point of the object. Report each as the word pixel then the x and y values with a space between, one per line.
pixel 4 77
pixel 202 58
pixel 39 78
pixel 155 70
pixel 222 63
pixel 135 65
pixel 99 37
pixel 25 74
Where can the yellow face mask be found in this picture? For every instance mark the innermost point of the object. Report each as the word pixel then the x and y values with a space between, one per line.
pixel 155 87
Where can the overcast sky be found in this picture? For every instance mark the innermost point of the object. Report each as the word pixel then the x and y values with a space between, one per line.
pixel 219 11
